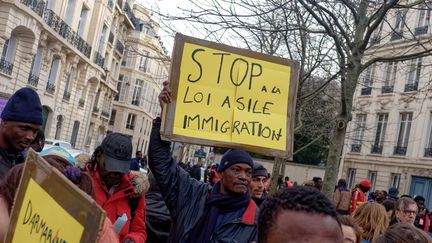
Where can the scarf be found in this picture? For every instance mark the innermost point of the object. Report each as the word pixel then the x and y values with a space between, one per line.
pixel 216 203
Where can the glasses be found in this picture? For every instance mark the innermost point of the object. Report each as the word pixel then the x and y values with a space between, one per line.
pixel 408 212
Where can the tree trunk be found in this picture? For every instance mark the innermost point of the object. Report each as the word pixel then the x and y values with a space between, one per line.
pixel 334 155
pixel 277 166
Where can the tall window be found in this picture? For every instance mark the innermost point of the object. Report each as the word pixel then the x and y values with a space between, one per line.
pixel 395 180
pixel 36 63
pixel 68 84
pixel 70 10
pixel 423 16
pixel 351 177
pixel 143 65
pixel 137 92
pixel 130 124
pixel 399 21
pixel 82 21
pixel 9 48
pixel 58 126
pixel 403 133
pixel 368 80
pixel 52 77
pixel 390 77
pixel 428 147
pixel 89 134
pixel 119 87
pixel 414 73
pixel 75 133
pixel 358 133
pixel 380 133
pixel 101 47
pixel 112 117
pixel 372 175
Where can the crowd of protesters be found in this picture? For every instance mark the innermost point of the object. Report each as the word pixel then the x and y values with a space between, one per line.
pixel 232 203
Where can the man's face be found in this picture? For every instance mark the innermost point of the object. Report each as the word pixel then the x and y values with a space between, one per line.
pixel 236 179
pixel 301 227
pixel 380 195
pixel 420 205
pixel 109 178
pixel 18 135
pixel 407 215
pixel 349 234
pixel 257 186
pixel 138 155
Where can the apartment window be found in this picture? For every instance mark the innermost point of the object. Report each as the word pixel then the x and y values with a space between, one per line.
pixel 101 48
pixel 9 48
pixel 143 65
pixel 390 77
pixel 423 19
pixel 358 133
pixel 137 92
pixel 376 38
pixel 372 175
pixel 52 77
pixel 413 74
pixel 395 180
pixel 351 178
pixel 70 10
pixel 83 21
pixel 428 147
pixel 58 126
pixel 68 85
pixel 403 133
pixel 398 25
pixel 36 63
pixel 381 127
pixel 75 133
pixel 130 124
pixel 89 134
pixel 112 117
pixel 368 80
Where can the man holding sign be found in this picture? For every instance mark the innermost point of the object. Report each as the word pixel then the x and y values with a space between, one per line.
pixel 227 213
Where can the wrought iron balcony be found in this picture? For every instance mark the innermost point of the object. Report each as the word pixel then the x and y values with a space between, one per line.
pixel 50 88
pixel 421 30
pixel 398 150
pixel 6 67
pixel 130 126
pixel 376 149
pixel 99 59
pixel 81 103
pixel 66 95
pixel 396 35
pixel 95 109
pixel 411 87
pixel 116 97
pixel 387 89
pixel 136 102
pixel 105 114
pixel 37 6
pixel 111 38
pixel 366 91
pixel 428 152
pixel 63 29
pixel 128 10
pixel 119 47
pixel 33 80
pixel 356 148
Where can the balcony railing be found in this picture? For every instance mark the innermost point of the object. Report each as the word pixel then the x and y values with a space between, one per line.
pixel 66 95
pixel 366 91
pixel 411 87
pixel 99 59
pixel 376 149
pixel 50 88
pixel 95 109
pixel 33 80
pixel 111 38
pixel 421 30
pixel 398 150
pixel 6 67
pixel 105 114
pixel 119 47
pixel 428 152
pixel 37 6
pixel 128 10
pixel 387 89
pixel 81 103
pixel 63 29
pixel 396 35
pixel 136 102
pixel 356 148
pixel 130 126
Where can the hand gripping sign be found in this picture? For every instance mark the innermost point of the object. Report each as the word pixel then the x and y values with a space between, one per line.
pixel 50 208
pixel 230 97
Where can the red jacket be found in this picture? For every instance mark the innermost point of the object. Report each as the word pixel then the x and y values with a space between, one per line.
pixel 118 203
pixel 357 199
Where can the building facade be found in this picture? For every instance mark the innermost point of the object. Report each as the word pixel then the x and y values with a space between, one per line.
pixel 144 68
pixel 389 140
pixel 70 53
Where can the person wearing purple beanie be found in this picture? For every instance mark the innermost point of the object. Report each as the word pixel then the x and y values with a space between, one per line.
pixel 21 119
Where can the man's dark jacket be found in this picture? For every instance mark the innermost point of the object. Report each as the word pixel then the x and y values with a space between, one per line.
pixel 158 219
pixel 8 160
pixel 185 198
pixel 196 172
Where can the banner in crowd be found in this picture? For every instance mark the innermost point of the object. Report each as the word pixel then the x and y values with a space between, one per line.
pixel 231 97
pixel 50 208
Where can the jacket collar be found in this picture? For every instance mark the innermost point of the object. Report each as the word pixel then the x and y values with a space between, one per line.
pixel 250 214
pixel 125 188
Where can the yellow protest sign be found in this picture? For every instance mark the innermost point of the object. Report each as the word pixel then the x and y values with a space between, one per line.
pixel 50 208
pixel 37 222
pixel 225 96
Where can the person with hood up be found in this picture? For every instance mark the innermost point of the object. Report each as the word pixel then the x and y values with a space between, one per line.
pixel 393 193
pixel 115 193
pixel 358 195
pixel 257 185
pixel 225 214
pixel 342 197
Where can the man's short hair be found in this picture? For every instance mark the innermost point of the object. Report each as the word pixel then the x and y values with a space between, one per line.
pixel 419 198
pixel 403 203
pixel 298 198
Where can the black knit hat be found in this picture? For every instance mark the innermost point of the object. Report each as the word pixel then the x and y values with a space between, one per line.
pixel 259 170
pixel 23 106
pixel 234 156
